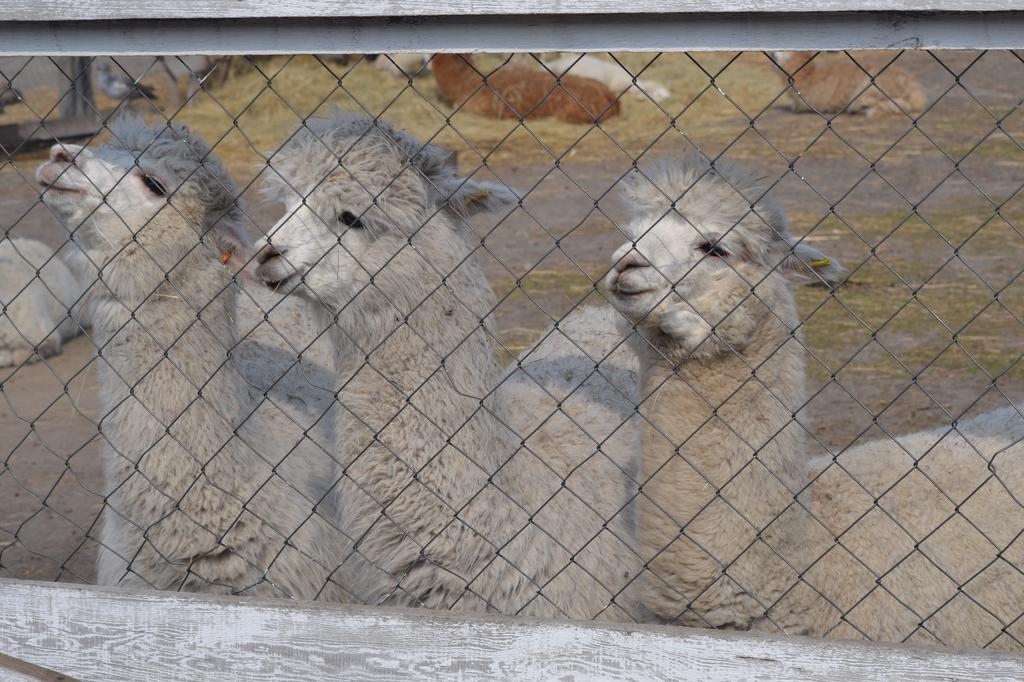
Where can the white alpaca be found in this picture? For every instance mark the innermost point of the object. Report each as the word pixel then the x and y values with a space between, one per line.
pixel 203 494
pixel 745 527
pixel 449 509
pixel 401 64
pixel 42 311
pixel 612 74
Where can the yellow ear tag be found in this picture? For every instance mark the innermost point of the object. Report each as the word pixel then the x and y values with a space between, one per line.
pixel 476 196
pixel 821 263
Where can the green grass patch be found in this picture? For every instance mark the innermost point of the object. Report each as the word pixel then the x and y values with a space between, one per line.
pixel 920 291
pixel 268 102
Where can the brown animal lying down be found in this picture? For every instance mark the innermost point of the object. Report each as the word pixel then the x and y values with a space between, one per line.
pixel 514 92
pixel 829 83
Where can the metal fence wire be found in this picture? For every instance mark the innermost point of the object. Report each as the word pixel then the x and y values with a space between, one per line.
pixel 720 340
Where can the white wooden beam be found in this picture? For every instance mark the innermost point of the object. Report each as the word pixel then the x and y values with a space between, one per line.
pixel 469 33
pixel 64 10
pixel 98 633
pixel 15 670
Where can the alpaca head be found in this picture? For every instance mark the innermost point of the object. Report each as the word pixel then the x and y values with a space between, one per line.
pixel 373 217
pixel 702 240
pixel 153 188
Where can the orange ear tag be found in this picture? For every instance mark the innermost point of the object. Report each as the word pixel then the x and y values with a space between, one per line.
pixel 225 257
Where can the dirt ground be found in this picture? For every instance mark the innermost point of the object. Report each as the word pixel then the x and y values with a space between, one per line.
pixel 926 221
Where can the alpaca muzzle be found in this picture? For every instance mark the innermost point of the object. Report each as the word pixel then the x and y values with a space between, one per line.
pixel 631 275
pixel 273 268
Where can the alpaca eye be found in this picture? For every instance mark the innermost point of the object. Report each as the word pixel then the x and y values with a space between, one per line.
pixel 350 219
pixel 712 250
pixel 154 185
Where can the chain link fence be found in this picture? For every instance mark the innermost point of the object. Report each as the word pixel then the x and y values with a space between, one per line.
pixel 722 340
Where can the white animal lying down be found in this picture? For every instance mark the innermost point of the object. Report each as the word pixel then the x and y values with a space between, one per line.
pixel 403 65
pixel 610 73
pixel 42 312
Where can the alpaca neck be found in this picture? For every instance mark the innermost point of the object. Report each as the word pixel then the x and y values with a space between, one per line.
pixel 401 344
pixel 416 442
pixel 440 362
pixel 187 323
pixel 706 423
pixel 171 402
pixel 171 355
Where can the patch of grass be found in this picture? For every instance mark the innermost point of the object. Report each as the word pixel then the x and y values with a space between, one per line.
pixel 268 102
pixel 713 97
pixel 917 294
pixel 864 326
pixel 997 147
pixel 545 294
pixel 568 285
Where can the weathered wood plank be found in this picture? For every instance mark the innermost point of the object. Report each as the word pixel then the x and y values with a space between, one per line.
pixel 16 670
pixel 502 34
pixel 64 10
pixel 101 633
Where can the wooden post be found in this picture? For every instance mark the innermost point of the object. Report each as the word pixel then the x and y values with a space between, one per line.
pixel 78 102
pixel 101 633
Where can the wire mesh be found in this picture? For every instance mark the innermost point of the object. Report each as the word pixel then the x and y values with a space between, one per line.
pixel 430 381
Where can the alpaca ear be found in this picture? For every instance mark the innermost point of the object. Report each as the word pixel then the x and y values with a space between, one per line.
pixel 236 248
pixel 229 237
pixel 440 168
pixel 432 160
pixel 805 264
pixel 468 197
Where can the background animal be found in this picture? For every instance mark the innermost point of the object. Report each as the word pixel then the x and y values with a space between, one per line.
pixel 746 524
pixel 402 64
pixel 833 84
pixel 515 92
pixel 612 74
pixel 119 86
pixel 41 311
pixel 208 488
